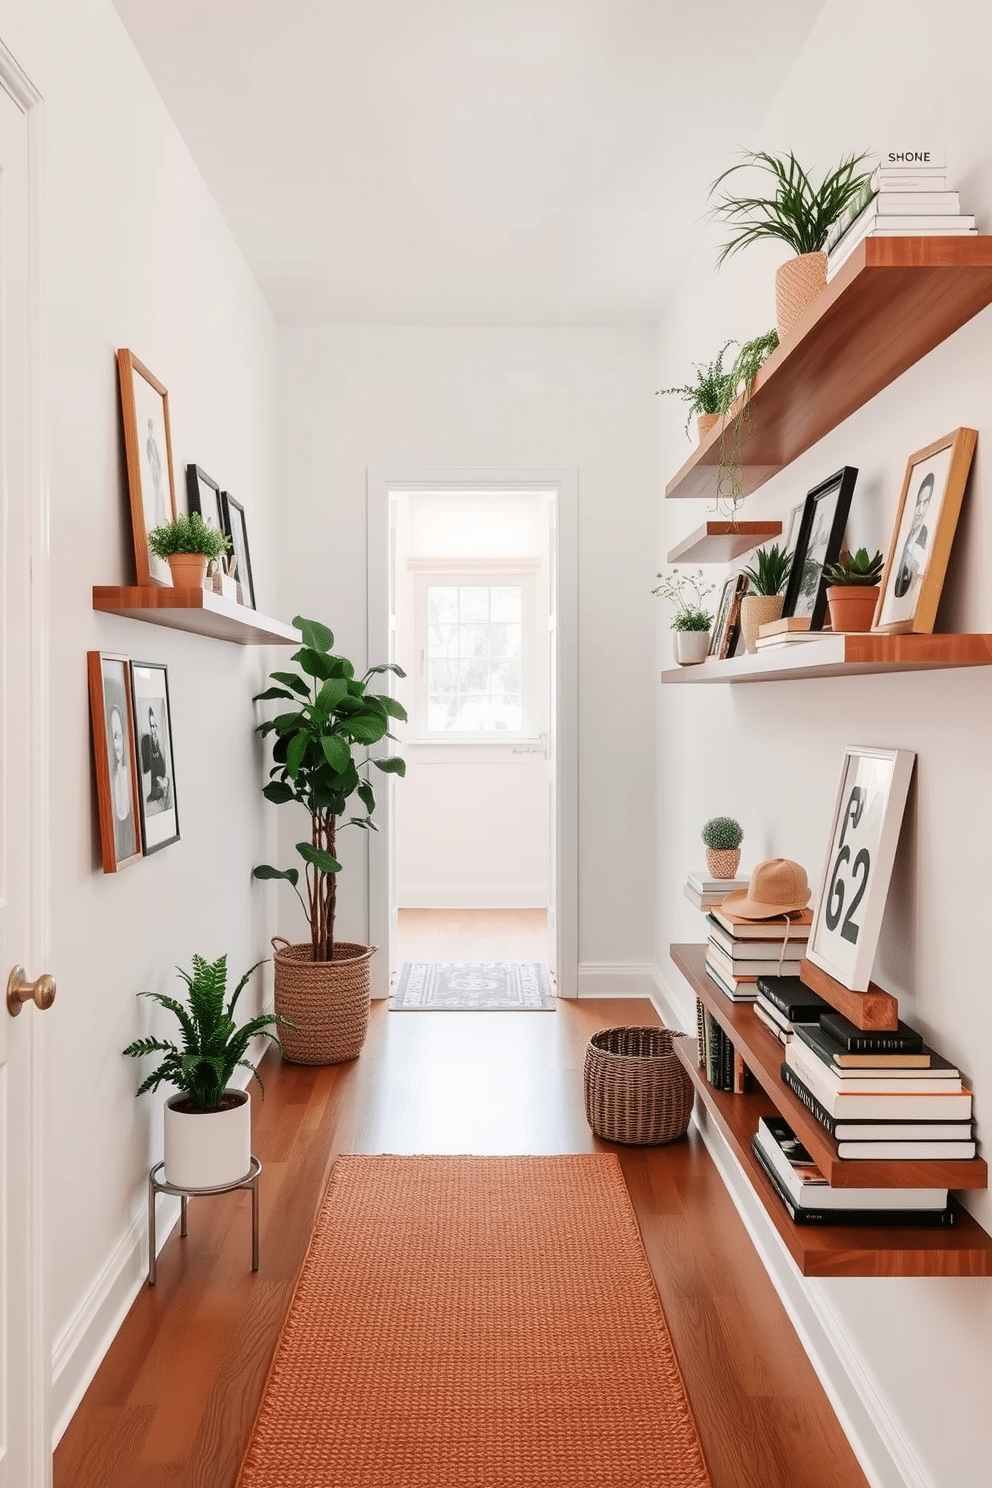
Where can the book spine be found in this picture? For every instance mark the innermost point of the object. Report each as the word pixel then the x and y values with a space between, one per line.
pixel 807 1214
pixel 727 1071
pixel 808 1099
pixel 857 1042
pixel 700 1034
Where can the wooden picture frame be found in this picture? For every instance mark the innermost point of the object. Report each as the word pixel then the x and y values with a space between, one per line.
pixel 205 496
pixel 821 534
pixel 237 531
pixel 862 846
pixel 115 758
pixel 929 506
pixel 727 624
pixel 154 754
pixel 148 448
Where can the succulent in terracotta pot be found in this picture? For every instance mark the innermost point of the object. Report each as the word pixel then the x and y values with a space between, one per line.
pixel 853 588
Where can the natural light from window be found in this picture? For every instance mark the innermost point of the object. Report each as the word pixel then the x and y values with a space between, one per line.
pixel 473 660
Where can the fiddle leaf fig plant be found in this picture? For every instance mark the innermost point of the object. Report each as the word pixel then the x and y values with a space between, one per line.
pixel 332 715
pixel 855 569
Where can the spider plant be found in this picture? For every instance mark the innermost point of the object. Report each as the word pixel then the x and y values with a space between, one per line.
pixel 771 570
pixel 796 212
pixel 711 391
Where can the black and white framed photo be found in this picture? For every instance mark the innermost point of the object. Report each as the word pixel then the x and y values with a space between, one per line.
pixel 204 495
pixel 114 757
pixel 867 817
pixel 821 534
pixel 148 448
pixel 156 765
pixel 727 625
pixel 234 526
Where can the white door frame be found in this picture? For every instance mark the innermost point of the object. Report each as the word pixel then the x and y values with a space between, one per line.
pixel 565 484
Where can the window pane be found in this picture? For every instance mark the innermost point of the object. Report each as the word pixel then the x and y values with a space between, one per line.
pixel 474 640
pixel 473 676
pixel 506 675
pixel 442 604
pixel 506 602
pixel 442 640
pixel 473 660
pixel 504 640
pixel 474 602
pixel 442 676
pixel 441 714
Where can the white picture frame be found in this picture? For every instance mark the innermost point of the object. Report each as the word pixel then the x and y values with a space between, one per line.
pixel 864 834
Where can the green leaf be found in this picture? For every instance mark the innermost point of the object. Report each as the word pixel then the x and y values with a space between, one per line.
pixel 336 752
pixel 367 796
pixel 291 680
pixel 321 860
pixel 333 690
pixel 271 693
pixel 278 792
pixel 314 663
pixel 392 707
pixel 387 666
pixel 314 634
pixel 392 766
pixel 366 728
pixel 294 755
pixel 264 871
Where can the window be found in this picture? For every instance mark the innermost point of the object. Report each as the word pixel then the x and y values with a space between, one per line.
pixel 475 655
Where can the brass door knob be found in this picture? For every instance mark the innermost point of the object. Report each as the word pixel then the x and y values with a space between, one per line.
pixel 19 991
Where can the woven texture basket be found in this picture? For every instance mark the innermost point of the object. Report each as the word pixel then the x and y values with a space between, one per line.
pixel 797 283
pixel 636 1089
pixel 328 1000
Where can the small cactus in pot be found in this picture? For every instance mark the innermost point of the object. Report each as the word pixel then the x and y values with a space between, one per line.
pixel 723 836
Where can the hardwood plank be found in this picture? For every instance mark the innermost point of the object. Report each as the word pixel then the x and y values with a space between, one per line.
pixel 723 542
pixel 843 654
pixel 872 1009
pixel 197 610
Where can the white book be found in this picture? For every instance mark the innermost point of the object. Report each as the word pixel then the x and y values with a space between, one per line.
pixel 943 203
pixel 860 1082
pixel 804 1188
pixel 857 1132
pixel 927 1107
pixel 873 219
pixel 774 1028
pixel 790 638
pixel 908 180
pixel 905 1151
pixel 703 885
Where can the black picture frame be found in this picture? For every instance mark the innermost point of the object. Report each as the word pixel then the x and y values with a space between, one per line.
pixel 204 495
pixel 157 807
pixel 237 531
pixel 727 625
pixel 821 533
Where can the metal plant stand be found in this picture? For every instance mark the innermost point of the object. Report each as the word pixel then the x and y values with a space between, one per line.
pixel 157 1185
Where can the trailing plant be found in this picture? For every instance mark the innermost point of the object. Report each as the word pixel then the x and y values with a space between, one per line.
pixel 314 765
pixel 855 569
pixel 686 592
pixel 796 212
pixel 708 393
pixel 188 533
pixel 770 572
pixel 747 364
pixel 722 833
pixel 212 1045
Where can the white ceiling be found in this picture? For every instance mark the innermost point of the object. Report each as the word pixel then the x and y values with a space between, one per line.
pixel 466 161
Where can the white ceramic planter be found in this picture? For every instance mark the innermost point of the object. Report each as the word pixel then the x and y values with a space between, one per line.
pixel 691 646
pixel 205 1149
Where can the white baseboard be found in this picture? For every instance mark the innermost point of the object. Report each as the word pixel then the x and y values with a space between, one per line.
pixel 885 1456
pixel 616 979
pixel 473 896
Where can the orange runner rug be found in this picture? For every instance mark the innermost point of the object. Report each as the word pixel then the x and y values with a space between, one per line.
pixel 475 1322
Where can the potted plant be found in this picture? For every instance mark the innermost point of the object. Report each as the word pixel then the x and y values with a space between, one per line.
pixel 853 588
pixel 768 576
pixel 323 986
pixel 207 1124
pixel 795 212
pixel 723 837
pixel 748 362
pixel 690 622
pixel 706 397
pixel 189 545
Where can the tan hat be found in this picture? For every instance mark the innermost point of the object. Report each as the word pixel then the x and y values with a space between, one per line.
pixel 778 886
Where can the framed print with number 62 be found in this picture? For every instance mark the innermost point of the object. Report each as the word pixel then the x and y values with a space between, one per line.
pixel 867 818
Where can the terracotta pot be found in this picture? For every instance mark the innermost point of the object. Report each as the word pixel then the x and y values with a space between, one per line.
pixel 327 1000
pixel 723 862
pixel 705 422
pixel 207 1149
pixel 691 646
pixel 189 570
pixel 852 606
pixel 758 609
pixel 797 284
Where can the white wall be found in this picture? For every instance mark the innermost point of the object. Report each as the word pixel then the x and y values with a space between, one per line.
pixel 136 255
pixel 897 71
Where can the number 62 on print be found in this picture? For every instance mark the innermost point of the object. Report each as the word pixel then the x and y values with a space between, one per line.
pixel 863 839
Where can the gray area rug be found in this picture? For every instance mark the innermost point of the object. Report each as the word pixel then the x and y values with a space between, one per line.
pixel 472 987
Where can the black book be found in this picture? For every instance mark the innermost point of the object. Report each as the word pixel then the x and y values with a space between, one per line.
pixel 793 998
pixel 808 1099
pixel 727 1068
pixel 803 1215
pixel 902 1040
pixel 835 1057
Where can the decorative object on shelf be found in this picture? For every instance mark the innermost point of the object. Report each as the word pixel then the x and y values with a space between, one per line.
pixel 188 544
pixel 821 533
pixel 324 986
pixel 862 847
pixel 727 626
pixel 736 431
pixel 148 449
pixel 234 526
pixel 778 887
pixel 114 757
pixel 852 590
pixel 156 768
pixel 722 836
pixel 204 495
pixel 796 213
pixel 768 576
pixel 932 492
pixel 636 1090
pixel 690 622
pixel 707 396
pixel 222 578
pixel 207 1123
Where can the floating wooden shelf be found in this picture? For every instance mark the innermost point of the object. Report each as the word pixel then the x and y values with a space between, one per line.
pixel 722 542
pixel 890 303
pixel 842 655
pixel 196 610
pixel 763 1056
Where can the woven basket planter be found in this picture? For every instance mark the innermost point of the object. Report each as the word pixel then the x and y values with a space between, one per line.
pixel 797 284
pixel 328 1000
pixel 636 1089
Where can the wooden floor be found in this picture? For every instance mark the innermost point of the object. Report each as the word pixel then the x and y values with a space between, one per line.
pixel 471 935
pixel 174 1401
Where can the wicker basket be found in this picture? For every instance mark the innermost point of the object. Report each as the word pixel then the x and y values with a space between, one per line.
pixel 636 1089
pixel 328 1000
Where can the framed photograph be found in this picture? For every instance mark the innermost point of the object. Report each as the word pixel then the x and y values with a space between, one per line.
pixel 156 767
pixel 867 817
pixel 204 495
pixel 821 534
pixel 148 447
pixel 114 756
pixel 727 625
pixel 921 540
pixel 234 526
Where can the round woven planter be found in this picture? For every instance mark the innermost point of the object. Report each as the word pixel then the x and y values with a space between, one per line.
pixel 636 1089
pixel 756 610
pixel 328 1000
pixel 723 862
pixel 705 422
pixel 797 284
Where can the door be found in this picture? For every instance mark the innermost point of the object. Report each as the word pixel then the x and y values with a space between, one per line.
pixel 25 1354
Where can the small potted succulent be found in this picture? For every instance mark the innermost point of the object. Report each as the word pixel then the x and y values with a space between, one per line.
pixel 188 544
pixel 768 575
pixel 691 622
pixel 708 396
pixel 723 837
pixel 853 588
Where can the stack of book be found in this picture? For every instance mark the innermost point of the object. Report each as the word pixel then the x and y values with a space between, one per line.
pixel 880 1095
pixel 901 199
pixel 739 951
pixel 792 630
pixel 810 1199
pixel 709 893
pixel 723 1067
pixel 784 1001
